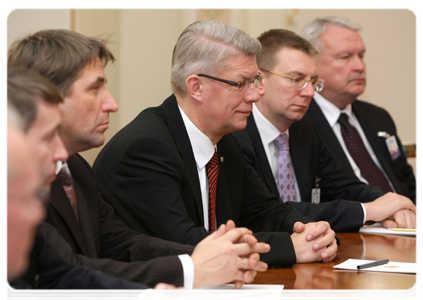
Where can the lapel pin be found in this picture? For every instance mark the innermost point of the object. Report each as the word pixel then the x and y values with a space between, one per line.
pixel 221 159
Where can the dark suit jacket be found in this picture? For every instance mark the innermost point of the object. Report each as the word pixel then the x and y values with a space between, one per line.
pixel 372 120
pixel 311 158
pixel 101 234
pixel 148 173
pixel 53 272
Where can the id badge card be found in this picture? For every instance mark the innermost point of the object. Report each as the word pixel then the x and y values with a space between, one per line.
pixel 393 149
pixel 315 196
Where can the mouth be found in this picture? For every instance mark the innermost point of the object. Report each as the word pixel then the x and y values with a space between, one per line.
pixel 301 106
pixel 358 80
pixel 104 125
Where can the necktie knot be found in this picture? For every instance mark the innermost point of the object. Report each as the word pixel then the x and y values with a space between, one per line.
pixel 64 175
pixel 282 142
pixel 343 119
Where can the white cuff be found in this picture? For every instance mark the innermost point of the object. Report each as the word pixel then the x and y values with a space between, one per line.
pixel 365 213
pixel 144 293
pixel 188 268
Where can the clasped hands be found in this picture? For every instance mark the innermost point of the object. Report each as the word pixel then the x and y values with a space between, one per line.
pixel 228 254
pixel 314 242
pixel 392 211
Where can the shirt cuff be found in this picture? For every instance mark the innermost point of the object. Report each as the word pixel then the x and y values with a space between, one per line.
pixel 144 293
pixel 364 212
pixel 188 269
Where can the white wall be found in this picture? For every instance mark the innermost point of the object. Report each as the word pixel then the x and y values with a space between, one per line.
pixel 143 40
pixel 25 21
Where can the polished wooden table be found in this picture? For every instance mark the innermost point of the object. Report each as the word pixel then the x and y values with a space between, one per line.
pixel 357 246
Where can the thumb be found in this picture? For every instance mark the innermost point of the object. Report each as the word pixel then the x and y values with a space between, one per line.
pixel 299 227
pixel 388 224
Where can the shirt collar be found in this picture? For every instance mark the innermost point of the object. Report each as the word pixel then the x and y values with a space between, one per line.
pixel 268 131
pixel 202 146
pixel 330 110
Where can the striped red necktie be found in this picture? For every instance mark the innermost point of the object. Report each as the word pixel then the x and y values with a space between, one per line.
pixel 212 174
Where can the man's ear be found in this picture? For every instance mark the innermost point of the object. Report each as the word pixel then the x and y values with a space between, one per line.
pixel 260 87
pixel 194 86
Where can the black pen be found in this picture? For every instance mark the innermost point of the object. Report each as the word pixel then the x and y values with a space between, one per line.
pixel 373 264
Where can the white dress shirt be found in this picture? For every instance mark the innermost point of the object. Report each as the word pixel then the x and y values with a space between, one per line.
pixel 203 149
pixel 268 133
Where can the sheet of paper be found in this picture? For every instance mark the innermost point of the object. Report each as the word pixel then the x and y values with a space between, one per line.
pixel 229 290
pixel 379 229
pixel 392 267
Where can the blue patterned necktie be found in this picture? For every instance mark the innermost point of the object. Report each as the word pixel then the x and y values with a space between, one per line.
pixel 286 183
pixel 361 156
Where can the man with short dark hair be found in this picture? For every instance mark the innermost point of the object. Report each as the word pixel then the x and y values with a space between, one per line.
pixel 372 149
pixel 287 64
pixel 176 173
pixel 91 229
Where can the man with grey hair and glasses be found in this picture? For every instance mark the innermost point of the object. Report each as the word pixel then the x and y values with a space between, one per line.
pixel 286 151
pixel 362 135
pixel 175 172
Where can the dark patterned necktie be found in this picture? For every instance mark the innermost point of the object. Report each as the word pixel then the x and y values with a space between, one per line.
pixel 66 179
pixel 361 156
pixel 212 174
pixel 286 181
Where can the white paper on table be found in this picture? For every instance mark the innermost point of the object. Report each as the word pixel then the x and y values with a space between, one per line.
pixel 229 290
pixel 392 267
pixel 379 229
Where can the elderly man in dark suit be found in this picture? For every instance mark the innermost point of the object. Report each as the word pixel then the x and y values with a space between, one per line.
pixel 90 232
pixel 175 172
pixel 287 63
pixel 376 155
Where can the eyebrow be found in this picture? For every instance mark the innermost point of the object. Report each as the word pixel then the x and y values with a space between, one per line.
pixel 101 79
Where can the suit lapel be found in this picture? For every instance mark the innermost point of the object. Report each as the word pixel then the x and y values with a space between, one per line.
pixel 223 201
pixel 327 133
pixel 298 156
pixel 261 155
pixel 180 135
pixel 85 221
pixel 59 201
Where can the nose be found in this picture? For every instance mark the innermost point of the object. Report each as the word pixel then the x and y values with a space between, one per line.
pixel 252 94
pixel 308 91
pixel 60 152
pixel 109 104
pixel 359 65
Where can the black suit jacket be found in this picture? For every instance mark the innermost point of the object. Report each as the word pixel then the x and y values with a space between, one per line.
pixel 101 234
pixel 148 173
pixel 372 120
pixel 48 270
pixel 311 158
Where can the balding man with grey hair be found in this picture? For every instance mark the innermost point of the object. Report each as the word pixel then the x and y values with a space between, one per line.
pixel 362 135
pixel 175 172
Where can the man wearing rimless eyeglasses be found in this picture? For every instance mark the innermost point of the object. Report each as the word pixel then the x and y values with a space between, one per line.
pixel 310 179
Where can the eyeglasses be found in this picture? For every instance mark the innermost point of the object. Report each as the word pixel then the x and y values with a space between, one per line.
pixel 239 85
pixel 301 83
